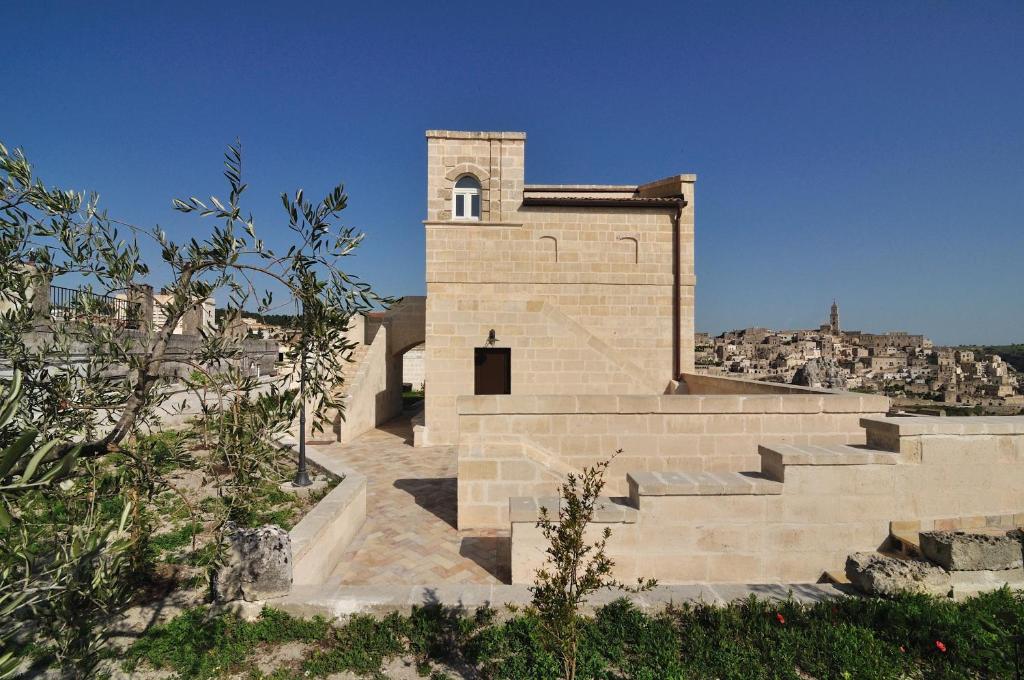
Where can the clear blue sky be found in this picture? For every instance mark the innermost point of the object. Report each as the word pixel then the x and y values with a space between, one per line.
pixel 873 152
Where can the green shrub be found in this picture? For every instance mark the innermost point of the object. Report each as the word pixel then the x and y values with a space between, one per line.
pixel 846 639
pixel 197 645
pixel 361 645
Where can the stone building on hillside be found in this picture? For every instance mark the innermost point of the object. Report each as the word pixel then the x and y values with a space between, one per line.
pixel 549 289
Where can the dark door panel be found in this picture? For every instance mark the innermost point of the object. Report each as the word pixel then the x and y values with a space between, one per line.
pixel 493 370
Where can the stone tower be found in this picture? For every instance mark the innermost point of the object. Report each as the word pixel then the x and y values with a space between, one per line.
pixel 833 319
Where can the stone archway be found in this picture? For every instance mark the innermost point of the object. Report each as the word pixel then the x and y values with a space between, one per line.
pixel 374 391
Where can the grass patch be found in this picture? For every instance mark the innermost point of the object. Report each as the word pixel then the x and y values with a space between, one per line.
pixel 175 539
pixel 196 645
pixel 411 397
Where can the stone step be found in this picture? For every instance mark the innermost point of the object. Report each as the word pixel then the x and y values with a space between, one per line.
pixel 836 577
pixel 775 457
pixel 907 544
pixel 700 484
pixel 608 509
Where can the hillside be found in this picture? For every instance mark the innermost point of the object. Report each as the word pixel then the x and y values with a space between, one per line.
pixel 1011 354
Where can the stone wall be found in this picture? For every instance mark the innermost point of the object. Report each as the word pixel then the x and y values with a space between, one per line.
pixel 256 356
pixel 522 445
pixel 412 368
pixel 924 472
pixel 583 296
pixel 373 394
pixel 369 399
pixel 694 383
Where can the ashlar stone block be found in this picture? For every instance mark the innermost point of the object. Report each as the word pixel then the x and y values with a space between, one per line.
pixel 971 551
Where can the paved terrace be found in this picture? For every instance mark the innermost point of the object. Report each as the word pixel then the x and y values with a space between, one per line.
pixel 409 552
pixel 409 537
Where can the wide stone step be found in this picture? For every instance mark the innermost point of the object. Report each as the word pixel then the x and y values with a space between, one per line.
pixel 835 454
pixel 608 509
pixel 701 484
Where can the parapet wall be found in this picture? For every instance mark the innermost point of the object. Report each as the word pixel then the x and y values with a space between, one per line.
pixel 693 383
pixel 511 445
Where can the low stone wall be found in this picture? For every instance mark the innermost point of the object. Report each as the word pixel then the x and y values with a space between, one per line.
pixel 320 538
pixel 511 445
pixel 822 506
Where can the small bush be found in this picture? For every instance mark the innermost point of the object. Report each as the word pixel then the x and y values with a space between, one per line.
pixel 362 645
pixel 197 645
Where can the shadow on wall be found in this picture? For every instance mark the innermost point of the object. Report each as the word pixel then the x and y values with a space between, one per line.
pixel 493 553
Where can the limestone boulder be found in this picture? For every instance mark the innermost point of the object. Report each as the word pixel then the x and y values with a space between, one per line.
pixel 877 574
pixel 970 551
pixel 259 565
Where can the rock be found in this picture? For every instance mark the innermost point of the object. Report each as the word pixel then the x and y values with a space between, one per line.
pixel 821 373
pixel 968 551
pixel 877 574
pixel 259 565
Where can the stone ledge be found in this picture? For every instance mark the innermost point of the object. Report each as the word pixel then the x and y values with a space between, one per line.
pixel 607 511
pixel 969 583
pixel 946 425
pixel 664 405
pixel 319 538
pixel 838 454
pixel 701 484
pixel 471 223
pixel 342 601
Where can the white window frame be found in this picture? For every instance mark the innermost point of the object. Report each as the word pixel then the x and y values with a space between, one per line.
pixel 467 194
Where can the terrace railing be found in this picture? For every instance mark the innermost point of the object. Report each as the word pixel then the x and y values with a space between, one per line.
pixel 83 306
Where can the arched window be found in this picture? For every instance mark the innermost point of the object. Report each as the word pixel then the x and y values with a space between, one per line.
pixel 466 199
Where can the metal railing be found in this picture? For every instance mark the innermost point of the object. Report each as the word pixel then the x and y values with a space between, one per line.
pixel 83 306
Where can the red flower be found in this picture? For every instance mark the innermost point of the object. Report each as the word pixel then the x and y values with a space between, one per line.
pixel 941 647
pixel 781 619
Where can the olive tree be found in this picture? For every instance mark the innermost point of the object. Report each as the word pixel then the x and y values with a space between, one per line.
pixel 88 384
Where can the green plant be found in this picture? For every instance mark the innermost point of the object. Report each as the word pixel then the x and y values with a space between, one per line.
pixel 760 639
pixel 575 569
pixel 197 645
pixel 26 471
pixel 91 581
pixel 94 388
pixel 361 646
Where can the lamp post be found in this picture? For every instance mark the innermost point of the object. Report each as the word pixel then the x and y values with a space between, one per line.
pixel 302 474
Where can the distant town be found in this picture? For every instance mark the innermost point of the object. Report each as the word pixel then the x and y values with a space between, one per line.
pixel 908 367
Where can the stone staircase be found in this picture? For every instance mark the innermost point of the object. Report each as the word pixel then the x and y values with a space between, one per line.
pixel 351 368
pixel 646 486
pixel 769 481
pixel 807 508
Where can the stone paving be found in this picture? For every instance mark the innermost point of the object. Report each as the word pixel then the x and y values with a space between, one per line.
pixel 410 537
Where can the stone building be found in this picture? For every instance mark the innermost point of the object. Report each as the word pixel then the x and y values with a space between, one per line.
pixel 558 332
pixel 549 289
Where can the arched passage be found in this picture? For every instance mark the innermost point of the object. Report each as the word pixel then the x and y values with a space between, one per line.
pixel 374 392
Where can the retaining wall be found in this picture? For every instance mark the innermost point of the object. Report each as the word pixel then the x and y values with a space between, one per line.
pixel 512 445
pixel 924 472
